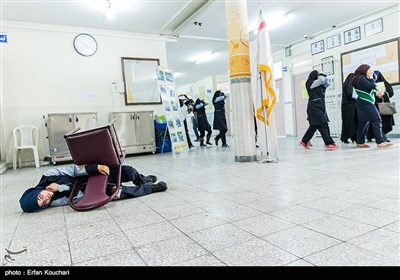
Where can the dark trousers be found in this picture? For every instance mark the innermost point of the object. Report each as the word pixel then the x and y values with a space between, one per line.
pixel 195 128
pixel 187 134
pixel 376 129
pixel 222 136
pixel 130 174
pixel 203 132
pixel 323 129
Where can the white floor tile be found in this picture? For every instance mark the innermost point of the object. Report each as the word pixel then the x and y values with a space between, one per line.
pixel 218 212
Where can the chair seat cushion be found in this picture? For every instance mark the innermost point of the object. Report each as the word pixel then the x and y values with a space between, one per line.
pixel 95 191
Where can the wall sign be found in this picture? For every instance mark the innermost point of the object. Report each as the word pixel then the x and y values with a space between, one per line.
pixel 327 65
pixel 3 38
pixel 317 47
pixel 383 56
pixel 333 41
pixel 373 27
pixel 352 35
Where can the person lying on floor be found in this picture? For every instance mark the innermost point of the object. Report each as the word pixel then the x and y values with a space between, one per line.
pixel 55 185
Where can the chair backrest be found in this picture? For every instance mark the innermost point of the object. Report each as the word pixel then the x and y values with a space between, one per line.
pixel 94 146
pixel 25 135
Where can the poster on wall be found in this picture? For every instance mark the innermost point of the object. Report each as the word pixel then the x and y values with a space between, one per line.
pixel 383 56
pixel 165 81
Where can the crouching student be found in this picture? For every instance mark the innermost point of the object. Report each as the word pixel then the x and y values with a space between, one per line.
pixel 56 184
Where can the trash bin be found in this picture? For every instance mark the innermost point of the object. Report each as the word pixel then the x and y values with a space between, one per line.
pixel 163 141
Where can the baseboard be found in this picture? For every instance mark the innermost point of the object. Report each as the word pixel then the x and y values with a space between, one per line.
pixel 3 167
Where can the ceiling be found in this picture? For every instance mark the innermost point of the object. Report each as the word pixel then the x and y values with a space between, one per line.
pixel 177 19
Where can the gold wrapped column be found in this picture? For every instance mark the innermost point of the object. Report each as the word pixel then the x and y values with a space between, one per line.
pixel 240 81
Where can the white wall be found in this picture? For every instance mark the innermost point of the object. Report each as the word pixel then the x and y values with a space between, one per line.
pixel 42 73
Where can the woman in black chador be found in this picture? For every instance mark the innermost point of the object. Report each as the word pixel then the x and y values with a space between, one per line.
pixel 387 121
pixel 317 117
pixel 219 117
pixel 349 111
pixel 202 122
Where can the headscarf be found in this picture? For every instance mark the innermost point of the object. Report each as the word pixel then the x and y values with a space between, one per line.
pixel 360 71
pixel 29 200
pixel 189 101
pixel 379 78
pixel 217 94
pixel 311 78
pixel 347 85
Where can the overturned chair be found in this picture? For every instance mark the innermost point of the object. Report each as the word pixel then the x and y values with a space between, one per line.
pixel 95 146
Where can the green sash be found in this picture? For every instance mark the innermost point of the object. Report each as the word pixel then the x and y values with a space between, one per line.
pixel 370 97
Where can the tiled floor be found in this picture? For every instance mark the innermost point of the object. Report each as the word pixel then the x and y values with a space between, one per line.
pixel 313 208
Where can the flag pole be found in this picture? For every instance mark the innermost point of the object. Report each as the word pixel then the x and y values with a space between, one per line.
pixel 267 158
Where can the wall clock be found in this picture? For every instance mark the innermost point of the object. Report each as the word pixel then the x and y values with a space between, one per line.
pixel 85 44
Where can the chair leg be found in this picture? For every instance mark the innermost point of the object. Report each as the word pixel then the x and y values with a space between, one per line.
pixel 36 155
pixel 15 152
pixel 19 156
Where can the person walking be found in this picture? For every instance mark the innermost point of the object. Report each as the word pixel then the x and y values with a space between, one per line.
pixel 364 84
pixel 349 111
pixel 204 125
pixel 219 122
pixel 186 105
pixel 387 120
pixel 317 116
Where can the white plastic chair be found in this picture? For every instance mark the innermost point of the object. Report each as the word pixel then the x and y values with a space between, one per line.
pixel 25 137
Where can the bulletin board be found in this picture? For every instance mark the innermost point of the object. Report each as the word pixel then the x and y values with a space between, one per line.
pixel 383 56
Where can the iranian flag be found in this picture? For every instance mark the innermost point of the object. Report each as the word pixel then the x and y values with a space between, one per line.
pixel 264 94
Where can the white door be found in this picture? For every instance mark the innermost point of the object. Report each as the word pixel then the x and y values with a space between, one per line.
pixel 300 99
pixel 279 109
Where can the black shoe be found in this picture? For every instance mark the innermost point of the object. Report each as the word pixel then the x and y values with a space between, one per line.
pixel 225 145
pixel 192 146
pixel 208 143
pixel 111 189
pixel 216 141
pixel 202 144
pixel 150 179
pixel 159 187
pixel 197 140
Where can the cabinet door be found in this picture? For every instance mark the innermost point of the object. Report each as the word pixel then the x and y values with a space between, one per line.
pixel 125 128
pixel 144 124
pixel 85 121
pixel 58 126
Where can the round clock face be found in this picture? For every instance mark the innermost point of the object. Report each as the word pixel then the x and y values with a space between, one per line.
pixel 85 44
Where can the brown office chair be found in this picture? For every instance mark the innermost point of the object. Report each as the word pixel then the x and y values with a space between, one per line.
pixel 95 146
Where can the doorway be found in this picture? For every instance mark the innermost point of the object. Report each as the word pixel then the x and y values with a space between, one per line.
pixel 300 100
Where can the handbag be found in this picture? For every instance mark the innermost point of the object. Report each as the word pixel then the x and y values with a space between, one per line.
pixel 386 108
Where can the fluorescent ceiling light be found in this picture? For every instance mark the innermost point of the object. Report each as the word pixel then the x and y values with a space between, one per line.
pixel 305 62
pixel 109 7
pixel 272 20
pixel 202 57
